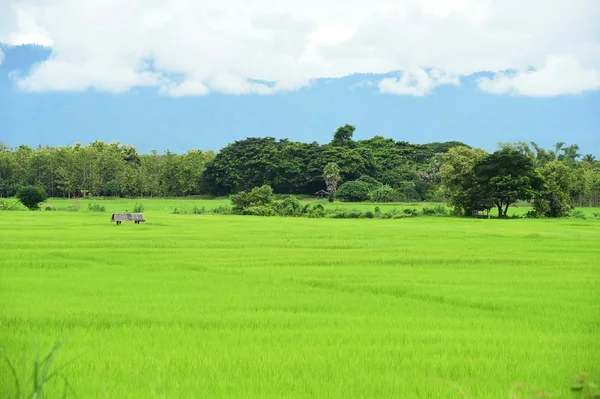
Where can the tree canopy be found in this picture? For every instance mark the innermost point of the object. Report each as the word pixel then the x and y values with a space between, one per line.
pixel 468 178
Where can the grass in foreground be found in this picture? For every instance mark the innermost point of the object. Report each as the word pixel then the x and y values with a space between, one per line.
pixel 227 306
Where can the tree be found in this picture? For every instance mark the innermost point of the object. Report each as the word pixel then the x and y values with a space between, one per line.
pixel 458 178
pixel 383 194
pixel 343 136
pixel 589 158
pixel 505 177
pixel 555 200
pixel 31 196
pixel 354 191
pixel 257 197
pixel 331 174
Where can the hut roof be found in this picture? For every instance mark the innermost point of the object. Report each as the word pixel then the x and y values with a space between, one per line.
pixel 127 217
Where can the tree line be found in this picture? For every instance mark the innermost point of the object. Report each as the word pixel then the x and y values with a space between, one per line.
pixel 380 168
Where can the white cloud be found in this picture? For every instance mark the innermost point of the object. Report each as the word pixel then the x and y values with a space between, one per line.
pixel 226 46
pixel 1 56
pixel 416 83
pixel 558 75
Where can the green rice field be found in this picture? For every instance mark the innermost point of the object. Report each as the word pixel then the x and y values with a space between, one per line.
pixel 220 306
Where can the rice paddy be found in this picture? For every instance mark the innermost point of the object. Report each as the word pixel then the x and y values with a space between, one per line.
pixel 215 306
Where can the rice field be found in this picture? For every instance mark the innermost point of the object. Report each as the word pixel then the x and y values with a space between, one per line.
pixel 211 306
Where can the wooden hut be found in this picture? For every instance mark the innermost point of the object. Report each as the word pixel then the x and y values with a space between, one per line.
pixel 322 194
pixel 118 218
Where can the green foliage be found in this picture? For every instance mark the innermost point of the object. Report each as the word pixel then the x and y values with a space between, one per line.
pixel 289 207
pixel 435 211
pixel 6 205
pixel 316 211
pixel 138 208
pixel 43 379
pixel 31 196
pixel 383 194
pixel 577 214
pixel 353 191
pixel 343 136
pixel 260 210
pixel 505 177
pixel 257 197
pixel 370 181
pixel 554 199
pixel 92 207
pixel 112 188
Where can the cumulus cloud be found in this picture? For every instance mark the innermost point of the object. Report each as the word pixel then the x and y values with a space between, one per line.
pixel 229 47
pixel 558 75
pixel 417 83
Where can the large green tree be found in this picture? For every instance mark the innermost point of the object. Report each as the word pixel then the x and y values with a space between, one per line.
pixel 504 177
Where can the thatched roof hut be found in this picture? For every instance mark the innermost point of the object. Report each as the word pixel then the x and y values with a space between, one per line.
pixel 127 217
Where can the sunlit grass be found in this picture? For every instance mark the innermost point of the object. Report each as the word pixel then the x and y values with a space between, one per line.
pixel 230 306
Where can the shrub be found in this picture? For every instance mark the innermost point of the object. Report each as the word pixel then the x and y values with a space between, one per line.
pixel 96 208
pixel 258 196
pixel 435 211
pixel 222 210
pixel 289 207
pixel 261 210
pixel 138 208
pixel 10 206
pixel 577 214
pixel 317 211
pixel 353 191
pixel 31 196
pixel 49 207
pixel 410 212
pixel 383 194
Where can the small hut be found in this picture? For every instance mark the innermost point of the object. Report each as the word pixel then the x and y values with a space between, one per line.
pixel 322 194
pixel 127 217
pixel 481 213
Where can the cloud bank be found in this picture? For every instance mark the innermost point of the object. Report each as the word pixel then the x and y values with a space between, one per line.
pixel 191 48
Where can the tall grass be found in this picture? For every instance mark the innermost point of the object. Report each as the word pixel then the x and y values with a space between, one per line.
pixel 248 307
pixel 42 376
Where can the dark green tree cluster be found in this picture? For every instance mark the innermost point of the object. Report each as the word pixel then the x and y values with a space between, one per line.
pixel 298 168
pixel 554 181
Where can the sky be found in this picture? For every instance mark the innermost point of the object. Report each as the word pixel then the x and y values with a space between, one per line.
pixel 183 74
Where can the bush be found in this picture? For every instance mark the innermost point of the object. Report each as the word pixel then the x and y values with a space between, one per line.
pixel 10 206
pixel 262 210
pixel 289 207
pixel 138 208
pixel 31 196
pixel 577 214
pixel 340 213
pixel 48 208
pixel 410 212
pixel 96 208
pixel 353 191
pixel 222 210
pixel 317 211
pixel 258 196
pixel 383 194
pixel 435 211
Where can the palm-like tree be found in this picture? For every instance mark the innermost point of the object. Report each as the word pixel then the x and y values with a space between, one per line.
pixel 589 158
pixel 332 176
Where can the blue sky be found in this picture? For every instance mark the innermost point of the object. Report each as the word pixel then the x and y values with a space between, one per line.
pixel 87 82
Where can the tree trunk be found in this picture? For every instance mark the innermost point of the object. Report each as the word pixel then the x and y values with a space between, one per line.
pixel 499 205
pixel 506 209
